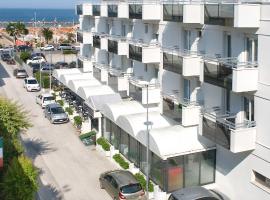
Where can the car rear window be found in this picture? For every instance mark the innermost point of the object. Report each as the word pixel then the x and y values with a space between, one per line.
pixel 57 110
pixel 132 188
pixel 48 98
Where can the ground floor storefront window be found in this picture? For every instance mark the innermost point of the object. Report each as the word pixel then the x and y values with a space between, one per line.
pixel 170 174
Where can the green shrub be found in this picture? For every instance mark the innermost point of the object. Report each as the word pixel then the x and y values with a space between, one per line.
pixel 78 121
pixel 66 52
pixel 61 102
pixel 103 142
pixel 140 178
pixel 45 83
pixel 87 135
pixel 121 161
pixel 25 56
pixel 69 110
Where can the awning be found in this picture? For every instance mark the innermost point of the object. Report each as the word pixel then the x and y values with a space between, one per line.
pixel 58 72
pixel 113 110
pixel 65 78
pixel 87 91
pixel 174 141
pixel 96 102
pixel 75 84
pixel 135 123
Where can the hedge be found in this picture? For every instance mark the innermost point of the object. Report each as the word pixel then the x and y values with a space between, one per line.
pixel 69 110
pixel 140 178
pixel 25 56
pixel 87 135
pixel 121 161
pixel 78 121
pixel 103 142
pixel 61 102
pixel 45 79
pixel 66 52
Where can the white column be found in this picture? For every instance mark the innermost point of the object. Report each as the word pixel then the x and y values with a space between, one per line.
pixel 99 128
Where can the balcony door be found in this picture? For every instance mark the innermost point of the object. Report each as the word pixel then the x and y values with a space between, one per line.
pixel 187 40
pixel 248 109
pixel 227 45
pixel 186 89
pixel 251 49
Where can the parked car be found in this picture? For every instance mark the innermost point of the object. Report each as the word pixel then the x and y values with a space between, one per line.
pixel 24 48
pixel 121 184
pixel 38 54
pixel 46 68
pixel 5 57
pixel 35 67
pixel 65 47
pixel 31 84
pixel 55 113
pixel 195 193
pixel 37 59
pixel 48 47
pixel 20 73
pixel 45 99
pixel 11 61
pixel 60 65
pixel 73 64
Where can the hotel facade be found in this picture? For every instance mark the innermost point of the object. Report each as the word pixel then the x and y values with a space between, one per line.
pixel 201 68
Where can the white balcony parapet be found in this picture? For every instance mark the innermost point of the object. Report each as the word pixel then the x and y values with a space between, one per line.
pixel 85 63
pixel 139 82
pixel 102 66
pixel 141 43
pixel 119 72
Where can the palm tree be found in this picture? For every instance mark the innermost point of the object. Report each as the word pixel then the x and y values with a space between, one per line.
pixel 16 29
pixel 47 34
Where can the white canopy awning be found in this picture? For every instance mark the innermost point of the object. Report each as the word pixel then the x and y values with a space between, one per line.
pixel 75 84
pixel 86 91
pixel 174 141
pixel 113 110
pixel 65 78
pixel 135 123
pixel 58 72
pixel 96 102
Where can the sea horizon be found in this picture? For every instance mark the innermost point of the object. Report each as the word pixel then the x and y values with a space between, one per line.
pixel 42 15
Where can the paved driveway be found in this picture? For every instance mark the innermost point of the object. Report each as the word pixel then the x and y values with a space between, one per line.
pixel 69 170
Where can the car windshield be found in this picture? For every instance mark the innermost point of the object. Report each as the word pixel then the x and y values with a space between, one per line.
pixel 32 81
pixel 21 70
pixel 57 110
pixel 132 188
pixel 48 98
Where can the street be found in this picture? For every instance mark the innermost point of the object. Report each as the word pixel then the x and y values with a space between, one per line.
pixel 68 169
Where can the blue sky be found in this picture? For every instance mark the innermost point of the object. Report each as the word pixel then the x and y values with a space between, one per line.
pixel 38 3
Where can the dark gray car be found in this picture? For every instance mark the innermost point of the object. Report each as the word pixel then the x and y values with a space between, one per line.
pixel 122 184
pixel 195 193
pixel 55 113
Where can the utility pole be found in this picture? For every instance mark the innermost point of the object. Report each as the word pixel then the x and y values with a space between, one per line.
pixel 51 72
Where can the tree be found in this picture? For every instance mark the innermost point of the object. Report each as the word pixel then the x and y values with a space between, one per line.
pixel 47 34
pixel 25 56
pixel 13 118
pixel 16 29
pixel 20 181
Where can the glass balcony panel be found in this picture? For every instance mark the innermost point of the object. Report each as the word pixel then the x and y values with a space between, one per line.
pixel 112 10
pixel 96 10
pixel 135 11
pixel 172 63
pixel 79 37
pixel 113 82
pixel 172 110
pixel 219 14
pixel 135 53
pixel 135 92
pixel 96 41
pixel 113 46
pixel 79 10
pixel 173 12
pixel 97 73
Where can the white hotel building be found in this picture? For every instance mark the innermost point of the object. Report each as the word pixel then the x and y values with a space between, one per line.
pixel 206 65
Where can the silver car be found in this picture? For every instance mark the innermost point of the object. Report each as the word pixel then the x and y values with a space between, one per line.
pixel 20 73
pixel 122 184
pixel 55 113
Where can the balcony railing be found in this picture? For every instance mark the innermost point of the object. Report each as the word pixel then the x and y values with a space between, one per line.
pixel 139 82
pixel 219 14
pixel 175 97
pixel 173 12
pixel 135 11
pixel 218 126
pixel 96 41
pixel 113 46
pixel 135 52
pixel 219 71
pixel 96 10
pixel 112 10
pixel 80 36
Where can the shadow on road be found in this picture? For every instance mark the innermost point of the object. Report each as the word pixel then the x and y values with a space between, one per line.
pixel 48 192
pixel 3 74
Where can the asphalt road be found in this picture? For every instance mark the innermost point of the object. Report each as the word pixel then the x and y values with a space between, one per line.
pixel 68 169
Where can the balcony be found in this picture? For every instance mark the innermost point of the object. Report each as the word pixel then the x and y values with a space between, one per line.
pixel 118 80
pixel 85 63
pixel 118 45
pixel 151 12
pixel 84 9
pixel 186 63
pixel 231 74
pixel 96 10
pixel 96 41
pixel 145 53
pixel 101 40
pixel 225 131
pixel 138 90
pixel 112 10
pixel 84 37
pixel 101 72
pixel 183 111
pixel 173 12
pixel 233 15
pixel 135 11
pixel 193 13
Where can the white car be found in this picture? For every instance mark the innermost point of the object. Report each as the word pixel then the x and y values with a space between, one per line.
pixel 31 84
pixel 45 99
pixel 48 47
pixel 35 60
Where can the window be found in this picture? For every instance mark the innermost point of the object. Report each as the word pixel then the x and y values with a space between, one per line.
pixel 146 28
pixel 192 170
pixel 133 151
pixel 207 168
pixel 186 89
pixel 124 143
pixel 227 45
pixel 187 39
pixel 249 109
pixel 145 67
pixel 261 180
pixel 123 30
pixel 251 49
